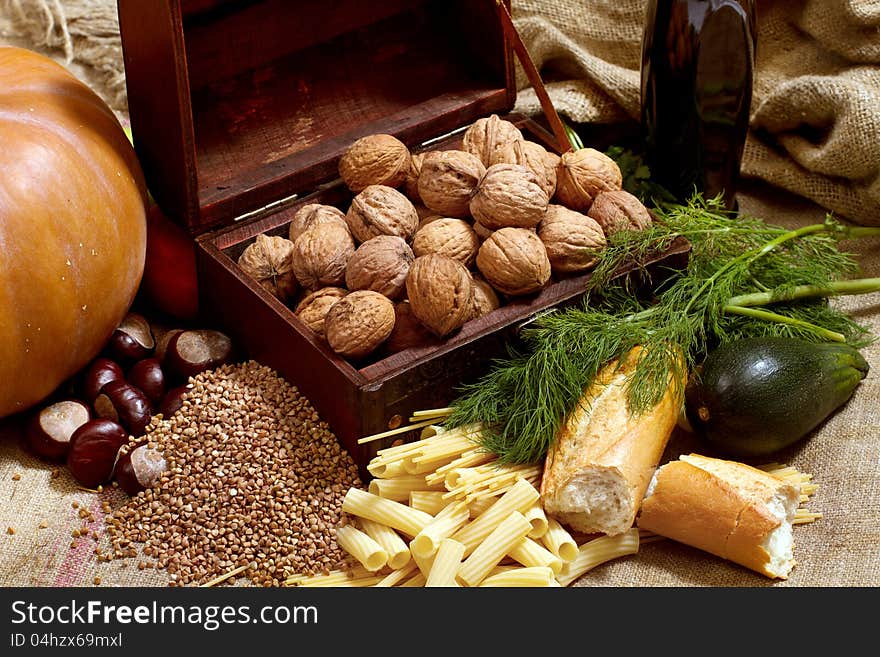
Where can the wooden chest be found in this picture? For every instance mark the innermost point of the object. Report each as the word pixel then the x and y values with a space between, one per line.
pixel 240 111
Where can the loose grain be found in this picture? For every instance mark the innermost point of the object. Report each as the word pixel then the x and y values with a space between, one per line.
pixel 254 477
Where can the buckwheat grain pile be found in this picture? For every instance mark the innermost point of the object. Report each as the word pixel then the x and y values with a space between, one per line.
pixel 255 477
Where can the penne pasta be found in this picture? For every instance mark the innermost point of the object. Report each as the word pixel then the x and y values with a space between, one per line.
pixel 532 554
pixel 387 512
pixel 478 506
pixel 598 551
pixel 396 547
pixel 417 580
pixel 521 577
pixel 519 498
pixel 446 564
pixel 559 541
pixel 363 548
pixel 429 501
pixel 395 577
pixel 489 553
pixel 424 563
pixel 537 519
pixel 444 525
pixel 399 488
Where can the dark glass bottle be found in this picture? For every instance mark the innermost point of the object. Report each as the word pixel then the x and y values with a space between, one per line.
pixel 698 61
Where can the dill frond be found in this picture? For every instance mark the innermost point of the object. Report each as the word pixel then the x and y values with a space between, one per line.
pixel 524 399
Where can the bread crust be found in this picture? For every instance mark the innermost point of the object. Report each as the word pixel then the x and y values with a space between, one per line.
pixel 722 507
pixel 602 438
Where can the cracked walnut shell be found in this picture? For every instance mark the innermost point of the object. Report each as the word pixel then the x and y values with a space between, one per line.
pixel 381 210
pixel 440 292
pixel 447 181
pixel 489 137
pixel 314 307
pixel 380 264
pixel 268 260
pixel 321 254
pixel 374 160
pixel 584 174
pixel 619 210
pixel 514 261
pixel 572 239
pixel 509 195
pixel 358 323
pixel 450 237
pixel 311 215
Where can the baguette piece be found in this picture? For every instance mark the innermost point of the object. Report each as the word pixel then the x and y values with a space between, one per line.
pixel 603 457
pixel 729 509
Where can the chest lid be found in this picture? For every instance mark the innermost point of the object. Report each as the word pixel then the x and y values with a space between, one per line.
pixel 235 104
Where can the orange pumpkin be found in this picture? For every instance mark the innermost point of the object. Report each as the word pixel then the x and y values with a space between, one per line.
pixel 72 226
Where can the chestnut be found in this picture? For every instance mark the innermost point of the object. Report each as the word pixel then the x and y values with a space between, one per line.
pixel 147 375
pixel 139 468
pixel 132 340
pixel 93 449
pixel 172 401
pixel 50 429
pixel 194 351
pixel 100 372
pixel 163 337
pixel 123 403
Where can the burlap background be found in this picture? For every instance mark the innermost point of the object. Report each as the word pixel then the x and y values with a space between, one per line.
pixel 817 68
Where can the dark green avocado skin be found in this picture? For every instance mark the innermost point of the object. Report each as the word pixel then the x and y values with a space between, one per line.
pixel 756 396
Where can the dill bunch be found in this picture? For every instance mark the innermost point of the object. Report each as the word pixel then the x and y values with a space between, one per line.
pixel 737 266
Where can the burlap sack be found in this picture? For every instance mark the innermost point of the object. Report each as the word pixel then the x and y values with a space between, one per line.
pixel 815 117
pixel 589 52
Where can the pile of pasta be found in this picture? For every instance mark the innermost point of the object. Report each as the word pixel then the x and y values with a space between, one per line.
pixel 441 511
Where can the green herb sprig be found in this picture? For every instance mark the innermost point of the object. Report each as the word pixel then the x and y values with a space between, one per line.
pixel 737 267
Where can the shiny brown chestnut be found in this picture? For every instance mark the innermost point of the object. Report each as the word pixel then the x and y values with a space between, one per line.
pixel 93 449
pixel 100 372
pixel 139 468
pixel 132 340
pixel 50 429
pixel 192 352
pixel 123 403
pixel 172 401
pixel 147 375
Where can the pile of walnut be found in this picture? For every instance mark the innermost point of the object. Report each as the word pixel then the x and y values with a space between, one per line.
pixel 434 239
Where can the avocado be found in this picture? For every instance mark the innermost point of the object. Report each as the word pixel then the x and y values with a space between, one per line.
pixel 756 396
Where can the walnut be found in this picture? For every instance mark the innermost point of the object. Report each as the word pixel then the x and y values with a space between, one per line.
pixel 380 264
pixel 450 237
pixel 411 183
pixel 582 175
pixel 514 261
pixel 441 292
pixel 509 195
pixel 481 231
pixel 485 299
pixel 571 239
pixel 487 138
pixel 312 215
pixel 427 220
pixel 321 254
pixel 314 307
pixel 374 160
pixel 358 323
pixel 448 180
pixel 537 159
pixel 268 260
pixel 619 210
pixel 408 331
pixel 381 210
